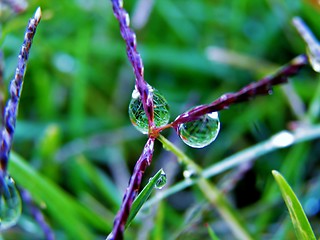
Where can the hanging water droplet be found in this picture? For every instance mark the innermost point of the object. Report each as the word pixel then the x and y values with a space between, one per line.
pixel 139 118
pixel 201 132
pixel 190 173
pixel 161 182
pixel 10 205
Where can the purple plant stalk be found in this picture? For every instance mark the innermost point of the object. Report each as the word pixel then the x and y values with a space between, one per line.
pixel 132 191
pixel 11 110
pixel 146 95
pixel 36 213
pixel 1 87
pixel 262 87
pixel 135 59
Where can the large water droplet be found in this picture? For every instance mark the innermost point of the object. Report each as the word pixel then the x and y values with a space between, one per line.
pixel 161 182
pixel 139 118
pixel 201 132
pixel 10 205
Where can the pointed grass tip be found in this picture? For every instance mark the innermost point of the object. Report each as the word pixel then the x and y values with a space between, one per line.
pixel 37 15
pixel 297 21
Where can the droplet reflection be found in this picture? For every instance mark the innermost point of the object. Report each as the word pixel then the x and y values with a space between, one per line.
pixel 139 118
pixel 201 132
pixel 161 182
pixel 10 205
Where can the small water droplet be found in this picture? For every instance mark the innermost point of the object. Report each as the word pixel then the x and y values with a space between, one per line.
pixel 282 139
pixel 161 182
pixel 201 132
pixel 139 118
pixel 189 173
pixel 10 205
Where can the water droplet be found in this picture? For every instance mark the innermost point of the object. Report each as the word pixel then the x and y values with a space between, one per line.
pixel 190 173
pixel 161 182
pixel 10 205
pixel 139 118
pixel 282 139
pixel 201 132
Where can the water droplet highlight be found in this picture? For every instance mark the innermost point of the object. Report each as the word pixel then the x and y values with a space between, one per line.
pixel 282 139
pixel 161 182
pixel 190 173
pixel 139 118
pixel 10 205
pixel 201 132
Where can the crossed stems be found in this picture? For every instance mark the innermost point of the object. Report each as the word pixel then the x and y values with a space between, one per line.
pixel 261 87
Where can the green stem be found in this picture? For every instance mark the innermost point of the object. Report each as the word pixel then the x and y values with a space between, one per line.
pixel 250 154
pixel 211 192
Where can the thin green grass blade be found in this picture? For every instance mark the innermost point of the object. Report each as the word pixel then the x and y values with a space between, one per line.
pixel 299 220
pixel 157 181
pixel 212 234
pixel 75 219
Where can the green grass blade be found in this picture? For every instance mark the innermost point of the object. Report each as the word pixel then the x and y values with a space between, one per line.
pixel 212 234
pixel 299 220
pixel 74 218
pixel 157 181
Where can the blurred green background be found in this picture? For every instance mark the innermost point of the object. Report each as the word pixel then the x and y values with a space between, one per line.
pixel 74 131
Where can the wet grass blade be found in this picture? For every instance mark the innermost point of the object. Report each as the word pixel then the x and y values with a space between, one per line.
pixel 157 181
pixel 299 220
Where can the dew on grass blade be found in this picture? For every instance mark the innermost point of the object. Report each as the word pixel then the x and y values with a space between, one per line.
pixel 10 205
pixel 282 139
pixel 139 118
pixel 201 132
pixel 161 182
pixel 190 173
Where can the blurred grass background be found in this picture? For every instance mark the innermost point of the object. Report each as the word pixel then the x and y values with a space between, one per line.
pixel 74 131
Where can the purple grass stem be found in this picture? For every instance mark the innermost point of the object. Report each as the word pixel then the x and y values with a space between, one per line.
pixel 262 87
pixel 37 214
pixel 132 191
pixel 146 95
pixel 1 86
pixel 11 110
pixel 135 59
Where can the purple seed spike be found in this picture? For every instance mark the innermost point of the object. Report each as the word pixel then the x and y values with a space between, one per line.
pixel 261 87
pixel 37 214
pixel 132 191
pixel 135 59
pixel 1 87
pixel 11 110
